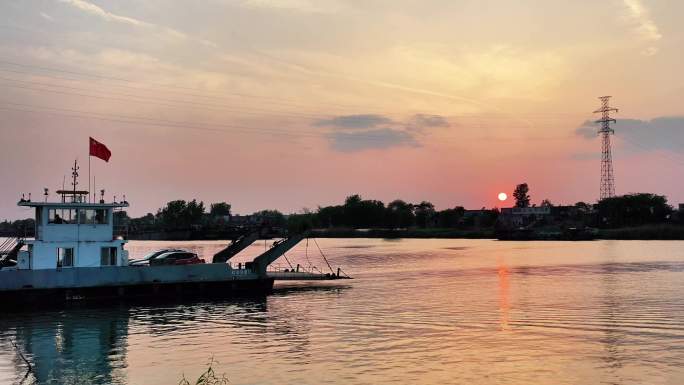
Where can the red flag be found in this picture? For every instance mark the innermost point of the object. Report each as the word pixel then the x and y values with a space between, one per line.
pixel 99 150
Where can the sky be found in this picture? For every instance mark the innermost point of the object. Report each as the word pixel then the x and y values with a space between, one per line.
pixel 293 104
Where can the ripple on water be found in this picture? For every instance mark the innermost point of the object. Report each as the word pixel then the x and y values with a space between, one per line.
pixel 419 312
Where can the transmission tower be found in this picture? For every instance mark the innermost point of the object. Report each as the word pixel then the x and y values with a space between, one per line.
pixel 607 179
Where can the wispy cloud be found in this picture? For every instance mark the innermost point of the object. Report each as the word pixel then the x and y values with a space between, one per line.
pixel 308 6
pixel 645 26
pixel 95 10
pixel 47 17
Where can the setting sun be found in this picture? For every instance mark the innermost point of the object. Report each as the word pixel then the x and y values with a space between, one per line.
pixel 503 196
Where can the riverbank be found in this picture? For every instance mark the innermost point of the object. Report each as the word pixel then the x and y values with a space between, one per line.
pixel 648 232
pixel 403 233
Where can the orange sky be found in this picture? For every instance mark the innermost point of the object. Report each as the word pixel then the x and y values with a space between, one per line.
pixel 295 103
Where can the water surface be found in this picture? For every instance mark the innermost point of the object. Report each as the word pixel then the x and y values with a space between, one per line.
pixel 417 312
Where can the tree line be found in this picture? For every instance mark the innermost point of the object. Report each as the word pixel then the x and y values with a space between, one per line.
pixel 356 212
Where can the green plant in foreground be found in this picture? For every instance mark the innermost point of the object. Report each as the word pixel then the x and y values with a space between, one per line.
pixel 209 377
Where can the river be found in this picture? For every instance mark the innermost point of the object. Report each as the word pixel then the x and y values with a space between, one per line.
pixel 418 311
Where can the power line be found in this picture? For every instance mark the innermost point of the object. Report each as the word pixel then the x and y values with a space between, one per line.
pixel 84 115
pixel 22 69
pixel 23 66
pixel 142 120
pixel 151 100
pixel 265 99
pixel 221 128
pixel 174 103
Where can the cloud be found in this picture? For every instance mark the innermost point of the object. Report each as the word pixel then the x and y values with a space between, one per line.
pixel 366 131
pixel 355 121
pixel 662 133
pixel 419 122
pixel 380 138
pixel 587 130
pixel 646 28
pixel 95 10
pixel 47 17
pixel 308 6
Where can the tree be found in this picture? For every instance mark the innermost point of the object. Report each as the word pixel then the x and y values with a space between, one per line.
pixel 425 212
pixel 352 200
pixel 146 222
pixel 522 199
pixel 194 212
pixel 634 210
pixel 546 203
pixel 220 209
pixel 180 214
pixel 450 217
pixel 363 213
pixel 399 214
pixel 271 218
pixel 299 223
pixel 330 216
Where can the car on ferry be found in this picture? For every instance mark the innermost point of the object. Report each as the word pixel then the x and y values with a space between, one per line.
pixel 145 261
pixel 176 258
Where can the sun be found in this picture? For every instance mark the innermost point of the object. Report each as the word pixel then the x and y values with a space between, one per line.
pixel 503 196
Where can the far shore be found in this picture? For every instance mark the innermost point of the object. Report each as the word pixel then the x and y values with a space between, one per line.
pixel 648 232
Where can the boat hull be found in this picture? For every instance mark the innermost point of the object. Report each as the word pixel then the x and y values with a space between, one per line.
pixel 28 287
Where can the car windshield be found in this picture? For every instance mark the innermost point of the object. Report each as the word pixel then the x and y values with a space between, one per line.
pixel 154 254
pixel 176 255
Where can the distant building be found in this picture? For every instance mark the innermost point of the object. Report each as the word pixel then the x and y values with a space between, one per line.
pixel 519 216
pixel 243 219
pixel 475 213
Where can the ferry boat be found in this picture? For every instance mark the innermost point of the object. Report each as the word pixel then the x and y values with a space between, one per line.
pixel 76 255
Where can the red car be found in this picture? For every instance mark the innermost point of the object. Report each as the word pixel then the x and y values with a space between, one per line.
pixel 176 258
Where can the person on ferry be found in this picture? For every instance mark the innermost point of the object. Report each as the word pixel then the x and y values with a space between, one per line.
pixel 58 219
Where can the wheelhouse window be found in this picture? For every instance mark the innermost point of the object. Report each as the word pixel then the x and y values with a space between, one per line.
pixel 65 257
pixel 86 217
pixel 108 256
pixel 100 217
pixel 62 216
pixel 82 216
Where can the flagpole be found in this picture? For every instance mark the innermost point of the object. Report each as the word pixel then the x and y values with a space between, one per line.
pixel 89 174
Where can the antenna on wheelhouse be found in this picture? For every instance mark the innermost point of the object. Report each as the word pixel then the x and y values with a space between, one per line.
pixel 74 175
pixel 76 195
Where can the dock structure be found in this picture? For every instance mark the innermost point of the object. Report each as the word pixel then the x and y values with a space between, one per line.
pixel 236 246
pixel 260 264
pixel 302 276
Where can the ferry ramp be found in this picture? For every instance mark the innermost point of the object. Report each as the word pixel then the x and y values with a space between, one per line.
pixel 302 276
